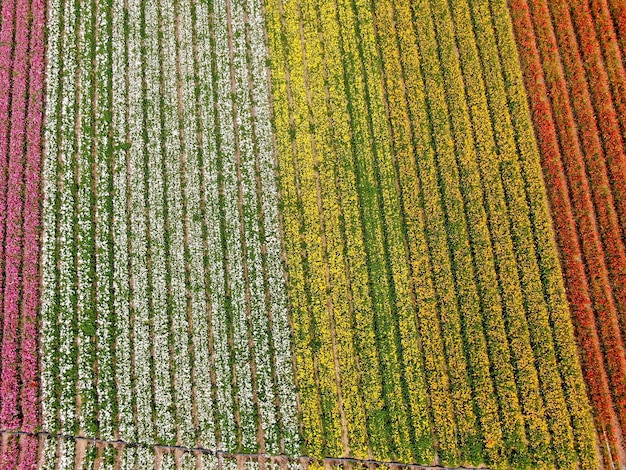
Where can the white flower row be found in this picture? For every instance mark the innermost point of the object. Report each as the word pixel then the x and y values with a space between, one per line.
pixel 144 458
pixel 121 279
pixel 144 300
pixel 209 462
pixel 276 281
pixel 85 308
pixel 194 219
pixel 235 268
pixel 188 461
pixel 64 453
pixel 128 460
pixel 168 461
pixel 174 173
pixel 295 466
pixel 104 230
pixel 50 168
pixel 156 205
pixel 109 456
pixel 224 412
pixel 67 275
pixel 251 207
pixel 87 454
pixel 251 465
pixel 49 457
pixel 142 390
pixel 228 464
pixel 67 454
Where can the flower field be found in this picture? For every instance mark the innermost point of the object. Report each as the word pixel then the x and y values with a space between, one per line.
pixel 576 94
pixel 305 234
pixel 161 240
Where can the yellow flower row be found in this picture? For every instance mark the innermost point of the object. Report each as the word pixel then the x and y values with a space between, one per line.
pixel 461 108
pixel 307 283
pixel 513 296
pixel 340 246
pixel 399 172
pixel 375 181
pixel 292 226
pixel 556 408
pixel 446 226
pixel 422 211
pixel 557 411
pixel 330 210
pixel 477 260
pixel 384 106
pixel 547 256
pixel 342 160
pixel 321 334
pixel 414 238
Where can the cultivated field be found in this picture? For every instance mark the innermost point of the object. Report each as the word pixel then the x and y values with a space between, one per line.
pixel 576 84
pixel 21 114
pixel 411 187
pixel 164 312
pixel 242 234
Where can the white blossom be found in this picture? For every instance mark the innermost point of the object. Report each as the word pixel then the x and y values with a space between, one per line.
pixel 188 274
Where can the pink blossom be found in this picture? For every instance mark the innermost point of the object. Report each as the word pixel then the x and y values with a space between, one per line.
pixel 32 228
pixel 10 452
pixel 6 41
pixel 22 74
pixel 29 451
pixel 9 416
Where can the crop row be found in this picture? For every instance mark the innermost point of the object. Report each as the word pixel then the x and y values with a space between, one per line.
pixel 423 305
pixel 20 452
pixel 164 303
pixel 402 130
pixel 491 47
pixel 606 79
pixel 332 285
pixel 572 111
pixel 47 452
pixel 21 114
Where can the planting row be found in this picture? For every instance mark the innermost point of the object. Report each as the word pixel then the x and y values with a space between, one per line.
pixel 574 74
pixel 430 321
pixel 422 317
pixel 164 305
pixel 21 114
pixel 47 452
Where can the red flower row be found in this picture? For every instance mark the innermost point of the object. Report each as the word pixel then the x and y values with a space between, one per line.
pixel 573 110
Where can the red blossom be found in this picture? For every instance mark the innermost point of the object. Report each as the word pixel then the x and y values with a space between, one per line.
pixel 580 226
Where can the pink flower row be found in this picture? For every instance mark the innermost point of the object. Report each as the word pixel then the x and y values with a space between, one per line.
pixel 19 452
pixel 21 113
